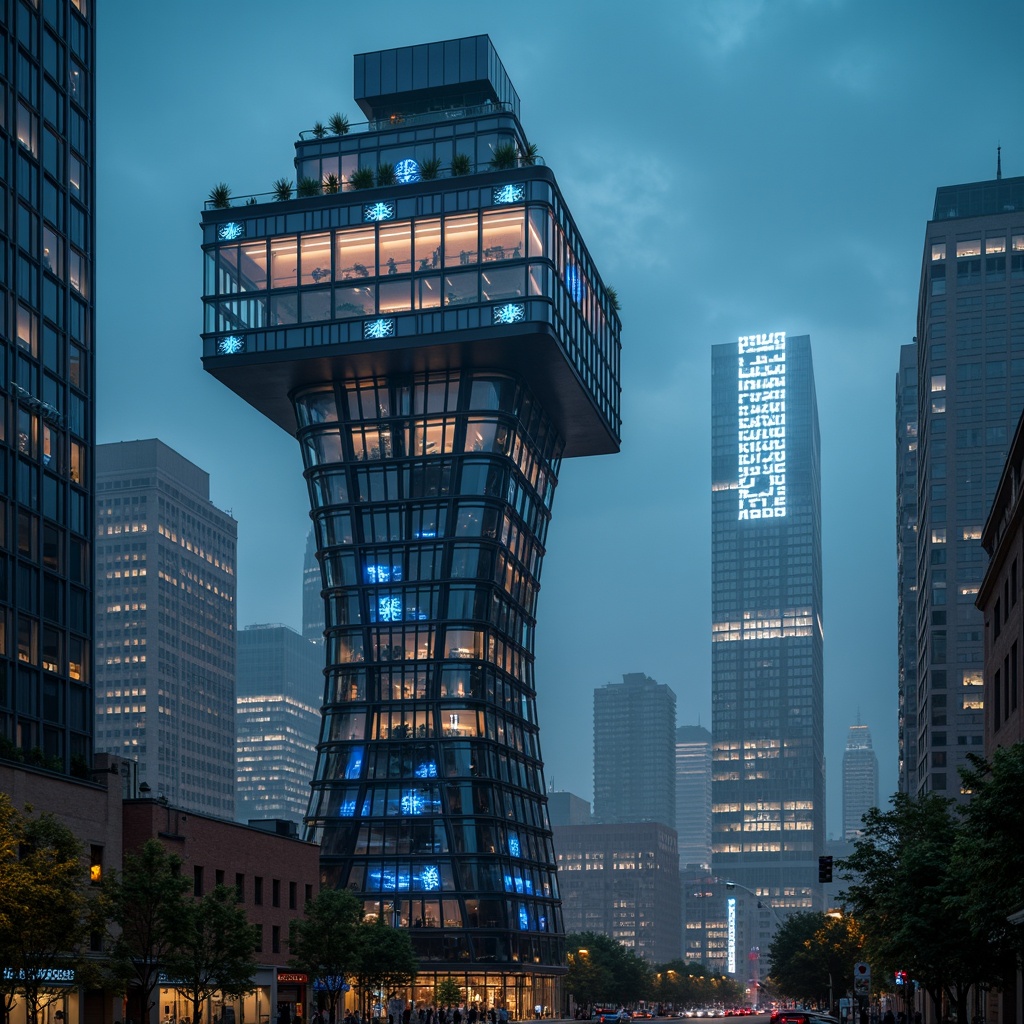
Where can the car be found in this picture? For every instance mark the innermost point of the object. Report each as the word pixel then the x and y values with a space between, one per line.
pixel 801 1017
pixel 642 1015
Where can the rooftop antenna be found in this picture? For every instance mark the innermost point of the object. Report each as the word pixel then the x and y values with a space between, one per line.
pixel 999 162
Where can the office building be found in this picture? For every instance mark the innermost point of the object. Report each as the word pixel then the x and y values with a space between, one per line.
pixel 622 880
pixel 970 372
pixel 278 693
pixel 860 780
pixel 906 564
pixel 693 796
pixel 634 751
pixel 568 809
pixel 47 320
pixel 165 625
pixel 707 938
pixel 432 329
pixel 312 598
pixel 768 772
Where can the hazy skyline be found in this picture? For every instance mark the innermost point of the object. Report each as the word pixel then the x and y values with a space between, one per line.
pixel 734 167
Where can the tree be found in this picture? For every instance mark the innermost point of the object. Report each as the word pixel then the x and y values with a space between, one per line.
pixel 683 983
pixel 147 902
pixel 45 914
pixel 447 993
pixel 324 945
pixel 904 883
pixel 813 954
pixel 617 974
pixel 214 948
pixel 385 962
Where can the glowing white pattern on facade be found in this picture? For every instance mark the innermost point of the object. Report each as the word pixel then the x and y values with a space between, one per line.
pixel 731 963
pixel 762 426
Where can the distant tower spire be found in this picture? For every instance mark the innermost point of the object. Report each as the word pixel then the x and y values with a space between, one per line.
pixel 999 162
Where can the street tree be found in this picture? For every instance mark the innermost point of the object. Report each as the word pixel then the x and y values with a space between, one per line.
pixel 213 951
pixel 45 914
pixel 903 883
pixel 447 993
pixel 616 974
pixel 147 902
pixel 812 955
pixel 385 962
pixel 685 983
pixel 324 943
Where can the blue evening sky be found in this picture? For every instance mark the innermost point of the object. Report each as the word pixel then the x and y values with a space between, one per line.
pixel 735 166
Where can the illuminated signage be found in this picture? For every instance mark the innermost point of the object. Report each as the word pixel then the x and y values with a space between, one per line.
pixel 731 965
pixel 762 426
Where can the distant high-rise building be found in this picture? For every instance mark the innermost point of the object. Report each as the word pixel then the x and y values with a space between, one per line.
pixel 47 241
pixel 165 625
pixel 860 780
pixel 279 692
pixel 768 781
pixel 906 562
pixel 622 881
pixel 709 931
pixel 635 751
pixel 693 795
pixel 568 809
pixel 312 599
pixel 970 373
pixel 437 343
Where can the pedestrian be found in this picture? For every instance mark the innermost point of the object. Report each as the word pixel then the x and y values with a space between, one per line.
pixel 889 1017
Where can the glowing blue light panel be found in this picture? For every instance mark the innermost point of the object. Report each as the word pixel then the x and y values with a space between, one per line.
pixel 383 573
pixel 384 210
pixel 731 954
pixel 407 171
pixel 426 770
pixel 389 609
pixel 381 328
pixel 355 763
pixel 347 809
pixel 412 802
pixel 524 919
pixel 574 283
pixel 513 844
pixel 230 231
pixel 508 194
pixel 231 345
pixel 430 878
pixel 762 426
pixel 510 313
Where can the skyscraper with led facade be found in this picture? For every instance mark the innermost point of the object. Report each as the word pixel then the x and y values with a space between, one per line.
pixel 437 341
pixel 768 782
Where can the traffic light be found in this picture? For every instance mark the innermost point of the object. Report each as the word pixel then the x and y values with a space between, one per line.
pixel 824 869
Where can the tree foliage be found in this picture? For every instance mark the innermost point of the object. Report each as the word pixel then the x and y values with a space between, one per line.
pixel 324 943
pixel 447 993
pixel 684 983
pixel 604 971
pixel 812 955
pixel 386 961
pixel 214 949
pixel 147 902
pixel 45 914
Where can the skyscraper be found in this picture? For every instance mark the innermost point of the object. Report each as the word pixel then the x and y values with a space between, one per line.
pixel 312 600
pixel 277 725
pixel 768 784
pixel 906 563
pixel 46 338
pixel 634 752
pixel 165 625
pixel 434 332
pixel 693 795
pixel 970 373
pixel 860 780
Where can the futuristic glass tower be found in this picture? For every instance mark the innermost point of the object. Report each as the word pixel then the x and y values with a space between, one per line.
pixel 437 342
pixel 768 771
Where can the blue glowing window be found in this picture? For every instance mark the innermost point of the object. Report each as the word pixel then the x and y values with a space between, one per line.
pixel 347 809
pixel 355 763
pixel 231 345
pixel 412 803
pixel 508 194
pixel 524 919
pixel 230 231
pixel 508 883
pixel 383 573
pixel 384 210
pixel 389 609
pixel 574 283
pixel 430 878
pixel 407 171
pixel 384 327
pixel 426 770
pixel 510 313
pixel 513 844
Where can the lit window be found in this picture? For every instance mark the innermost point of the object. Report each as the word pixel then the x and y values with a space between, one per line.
pixel 995 245
pixel 938 382
pixel 971 248
pixel 939 536
pixel 939 251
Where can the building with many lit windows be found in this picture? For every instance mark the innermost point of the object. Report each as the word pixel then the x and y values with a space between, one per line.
pixel 47 199
pixel 693 795
pixel 430 326
pixel 860 780
pixel 165 626
pixel 768 765
pixel 970 390
pixel 277 726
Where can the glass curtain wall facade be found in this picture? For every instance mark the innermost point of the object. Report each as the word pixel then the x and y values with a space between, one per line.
pixel 437 341
pixel 47 142
pixel 906 563
pixel 970 390
pixel 768 781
